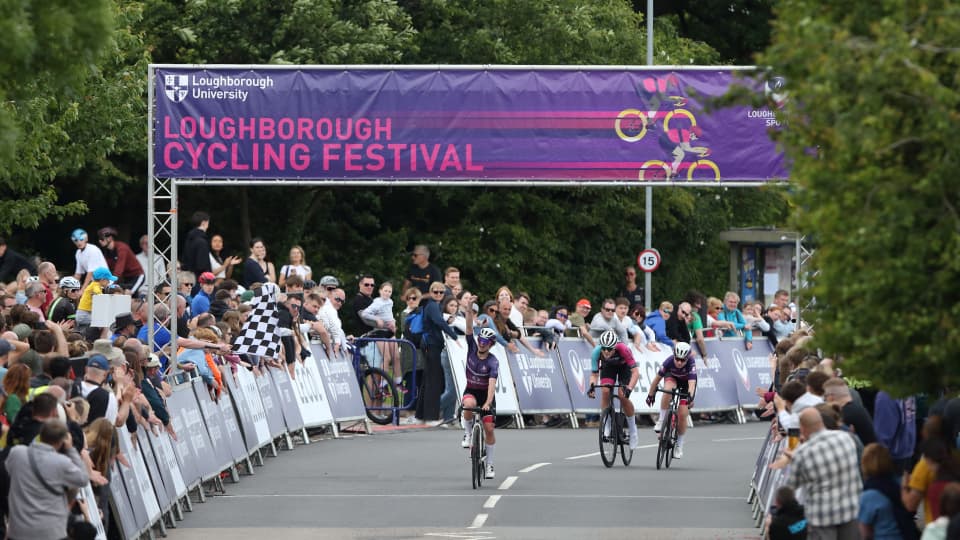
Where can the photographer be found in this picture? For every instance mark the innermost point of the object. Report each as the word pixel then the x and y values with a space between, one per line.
pixel 40 475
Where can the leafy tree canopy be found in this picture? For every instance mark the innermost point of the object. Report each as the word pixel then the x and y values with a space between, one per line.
pixel 873 103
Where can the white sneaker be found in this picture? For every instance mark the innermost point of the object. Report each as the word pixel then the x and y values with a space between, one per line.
pixel 658 425
pixel 465 443
pixel 490 474
pixel 411 421
pixel 678 451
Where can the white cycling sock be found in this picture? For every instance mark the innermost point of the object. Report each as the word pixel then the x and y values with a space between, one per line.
pixel 397 380
pixel 680 440
pixel 467 427
pixel 490 449
pixel 632 423
pixel 663 414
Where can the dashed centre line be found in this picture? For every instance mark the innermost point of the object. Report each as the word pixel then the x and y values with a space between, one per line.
pixel 491 501
pixel 478 521
pixel 534 467
pixel 507 483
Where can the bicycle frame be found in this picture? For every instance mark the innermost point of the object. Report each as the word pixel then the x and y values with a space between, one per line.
pixel 669 426
pixel 360 365
pixel 478 443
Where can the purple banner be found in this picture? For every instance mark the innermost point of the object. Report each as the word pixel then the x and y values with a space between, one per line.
pixel 748 370
pixel 478 125
pixel 575 360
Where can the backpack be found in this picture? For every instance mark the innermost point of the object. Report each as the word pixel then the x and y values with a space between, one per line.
pixel 413 326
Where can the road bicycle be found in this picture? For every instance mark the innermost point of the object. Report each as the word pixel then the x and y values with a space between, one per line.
pixel 613 432
pixel 668 429
pixel 478 444
pixel 380 396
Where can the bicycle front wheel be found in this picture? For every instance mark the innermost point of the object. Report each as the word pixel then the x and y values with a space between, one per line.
pixel 476 454
pixel 626 453
pixel 663 448
pixel 609 435
pixel 671 436
pixel 379 395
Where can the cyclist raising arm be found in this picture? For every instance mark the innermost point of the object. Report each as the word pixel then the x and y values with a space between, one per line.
pixel 482 371
pixel 678 371
pixel 618 364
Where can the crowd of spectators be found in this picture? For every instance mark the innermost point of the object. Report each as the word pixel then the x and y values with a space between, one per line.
pixel 69 381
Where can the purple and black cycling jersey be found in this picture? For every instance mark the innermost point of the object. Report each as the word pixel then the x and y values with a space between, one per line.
pixel 686 372
pixel 479 372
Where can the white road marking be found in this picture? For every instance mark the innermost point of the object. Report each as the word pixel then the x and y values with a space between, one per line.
pixel 478 521
pixel 508 482
pixel 479 535
pixel 534 467
pixel 584 456
pixel 448 495
pixel 740 439
pixel 491 501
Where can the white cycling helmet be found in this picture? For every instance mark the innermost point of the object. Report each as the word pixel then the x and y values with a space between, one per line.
pixel 608 339
pixel 69 282
pixel 488 333
pixel 681 350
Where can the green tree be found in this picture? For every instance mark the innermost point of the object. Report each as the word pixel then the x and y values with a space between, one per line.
pixel 49 61
pixel 873 103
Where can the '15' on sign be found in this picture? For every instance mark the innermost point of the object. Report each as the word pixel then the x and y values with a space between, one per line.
pixel 648 260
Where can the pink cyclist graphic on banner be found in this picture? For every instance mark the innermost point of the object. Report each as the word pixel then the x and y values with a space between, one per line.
pixel 484 124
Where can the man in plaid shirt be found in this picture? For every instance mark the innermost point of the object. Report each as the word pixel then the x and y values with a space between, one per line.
pixel 825 468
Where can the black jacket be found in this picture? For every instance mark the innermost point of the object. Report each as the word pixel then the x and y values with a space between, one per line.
pixel 196 252
pixel 788 523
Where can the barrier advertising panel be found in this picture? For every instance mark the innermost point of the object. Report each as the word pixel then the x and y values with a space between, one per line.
pixel 150 461
pixel 309 393
pixel 228 412
pixel 166 464
pixel 340 383
pixel 146 510
pixel 92 515
pixel 288 401
pixel 271 403
pixel 251 395
pixel 583 124
pixel 216 429
pixel 120 503
pixel 540 384
pixel 750 369
pixel 574 356
pixel 182 404
pixel 242 410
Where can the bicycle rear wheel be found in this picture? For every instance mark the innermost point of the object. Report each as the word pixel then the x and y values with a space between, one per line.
pixel 379 395
pixel 476 452
pixel 608 437
pixel 672 439
pixel 626 453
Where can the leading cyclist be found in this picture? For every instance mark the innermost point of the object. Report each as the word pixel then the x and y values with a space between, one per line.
pixel 482 371
pixel 618 365
pixel 678 371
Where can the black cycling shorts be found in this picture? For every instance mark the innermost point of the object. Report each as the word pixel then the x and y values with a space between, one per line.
pixel 481 397
pixel 609 374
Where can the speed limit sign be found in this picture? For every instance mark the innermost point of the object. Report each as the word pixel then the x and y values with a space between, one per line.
pixel 648 260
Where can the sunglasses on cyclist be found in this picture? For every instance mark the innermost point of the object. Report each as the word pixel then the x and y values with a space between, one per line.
pixel 484 341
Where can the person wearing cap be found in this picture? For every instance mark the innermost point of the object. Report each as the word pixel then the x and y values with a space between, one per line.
pixel 5 348
pixel 328 283
pixel 121 260
pixel 64 306
pixel 103 403
pixel 88 257
pixel 201 301
pixel 421 272
pixel 256 267
pixel 578 319
pixel 101 279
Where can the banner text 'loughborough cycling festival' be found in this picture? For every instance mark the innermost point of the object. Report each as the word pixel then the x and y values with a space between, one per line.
pixel 579 125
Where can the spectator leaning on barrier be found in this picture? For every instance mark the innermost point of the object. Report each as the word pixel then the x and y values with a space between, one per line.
pixel 657 321
pixel 434 326
pixel 39 474
pixel 606 319
pixel 676 325
pixel 791 401
pixel 825 467
pixel 361 301
pixel 421 272
pixel 578 319
pixel 836 392
pixel 732 314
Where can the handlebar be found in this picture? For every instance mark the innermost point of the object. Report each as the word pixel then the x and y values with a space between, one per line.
pixel 673 392
pixel 475 410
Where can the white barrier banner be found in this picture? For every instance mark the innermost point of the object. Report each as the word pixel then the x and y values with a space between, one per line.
pixel 310 394
pixel 142 483
pixel 251 394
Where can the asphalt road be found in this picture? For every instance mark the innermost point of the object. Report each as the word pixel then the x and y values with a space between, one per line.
pixel 550 484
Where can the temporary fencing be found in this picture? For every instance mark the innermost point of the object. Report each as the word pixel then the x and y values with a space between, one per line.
pixel 765 481
pixel 256 410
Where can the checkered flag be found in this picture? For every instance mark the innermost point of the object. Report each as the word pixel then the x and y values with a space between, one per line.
pixel 259 336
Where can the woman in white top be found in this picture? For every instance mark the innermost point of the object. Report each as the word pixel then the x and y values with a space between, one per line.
pixel 221 266
pixel 296 267
pixel 380 314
